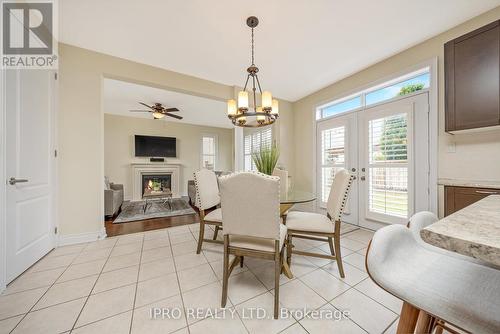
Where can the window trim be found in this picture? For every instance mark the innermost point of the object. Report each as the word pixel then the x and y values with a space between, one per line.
pixel 432 64
pixel 216 149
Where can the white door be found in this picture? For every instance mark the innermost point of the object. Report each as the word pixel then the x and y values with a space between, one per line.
pixel 387 148
pixel 337 148
pixel 29 108
pixel 394 161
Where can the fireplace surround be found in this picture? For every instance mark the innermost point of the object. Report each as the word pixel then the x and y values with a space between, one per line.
pixel 159 170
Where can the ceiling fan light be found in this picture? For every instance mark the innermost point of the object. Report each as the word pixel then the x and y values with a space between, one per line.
pixel 158 115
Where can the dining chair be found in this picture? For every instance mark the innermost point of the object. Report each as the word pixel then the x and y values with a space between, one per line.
pixel 252 225
pixel 207 196
pixel 444 285
pixel 315 226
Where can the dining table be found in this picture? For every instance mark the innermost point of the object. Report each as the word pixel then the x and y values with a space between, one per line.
pixel 472 231
pixel 287 201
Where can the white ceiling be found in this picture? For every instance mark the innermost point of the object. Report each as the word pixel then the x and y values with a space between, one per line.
pixel 120 97
pixel 301 45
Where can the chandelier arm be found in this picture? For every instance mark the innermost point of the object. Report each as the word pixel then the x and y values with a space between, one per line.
pixel 246 82
pixel 258 84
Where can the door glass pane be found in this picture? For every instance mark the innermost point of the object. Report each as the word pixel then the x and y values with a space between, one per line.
pixel 332 157
pixel 332 146
pixel 388 165
pixel 402 88
pixel 388 191
pixel 388 139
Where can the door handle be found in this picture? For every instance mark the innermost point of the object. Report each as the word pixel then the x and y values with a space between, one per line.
pixel 363 178
pixel 13 181
pixel 486 192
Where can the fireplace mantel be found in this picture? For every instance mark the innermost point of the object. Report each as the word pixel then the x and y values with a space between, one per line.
pixel 139 169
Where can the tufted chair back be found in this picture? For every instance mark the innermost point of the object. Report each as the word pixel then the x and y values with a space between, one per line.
pixel 339 193
pixel 207 189
pixel 250 204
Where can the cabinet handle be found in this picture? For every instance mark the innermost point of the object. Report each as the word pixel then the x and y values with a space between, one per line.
pixel 486 192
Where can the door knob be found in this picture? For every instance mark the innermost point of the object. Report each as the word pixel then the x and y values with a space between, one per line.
pixel 363 169
pixel 13 180
pixel 353 170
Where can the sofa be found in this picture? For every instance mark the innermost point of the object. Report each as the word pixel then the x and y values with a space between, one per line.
pixel 113 198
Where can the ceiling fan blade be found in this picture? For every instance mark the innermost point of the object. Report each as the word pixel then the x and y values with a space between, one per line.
pixel 171 109
pixel 174 116
pixel 139 110
pixel 144 104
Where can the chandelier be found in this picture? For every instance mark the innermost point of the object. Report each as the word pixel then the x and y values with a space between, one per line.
pixel 257 116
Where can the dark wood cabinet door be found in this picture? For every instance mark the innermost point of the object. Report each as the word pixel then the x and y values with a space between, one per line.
pixel 457 198
pixel 472 74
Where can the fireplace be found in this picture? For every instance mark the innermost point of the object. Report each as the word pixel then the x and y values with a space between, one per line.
pixel 149 169
pixel 156 183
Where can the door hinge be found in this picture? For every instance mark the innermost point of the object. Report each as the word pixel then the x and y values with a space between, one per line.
pixel 55 76
pixel 55 230
pixel 55 153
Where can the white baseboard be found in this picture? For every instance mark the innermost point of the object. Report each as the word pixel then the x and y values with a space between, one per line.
pixel 72 239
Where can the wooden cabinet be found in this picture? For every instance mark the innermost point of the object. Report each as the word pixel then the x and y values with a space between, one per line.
pixel 456 198
pixel 472 79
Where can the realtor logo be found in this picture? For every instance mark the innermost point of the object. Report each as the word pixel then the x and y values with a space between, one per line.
pixel 28 35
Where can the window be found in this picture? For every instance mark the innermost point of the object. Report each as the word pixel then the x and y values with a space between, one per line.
pixel 253 142
pixel 399 89
pixel 209 151
pixel 340 107
pixel 400 86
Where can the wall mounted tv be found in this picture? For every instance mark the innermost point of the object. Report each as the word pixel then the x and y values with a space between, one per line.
pixel 151 146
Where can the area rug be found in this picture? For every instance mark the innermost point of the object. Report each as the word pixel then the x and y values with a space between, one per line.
pixel 133 211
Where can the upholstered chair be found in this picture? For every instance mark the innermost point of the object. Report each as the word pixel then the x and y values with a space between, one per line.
pixel 315 226
pixel 449 288
pixel 283 175
pixel 207 196
pixel 252 224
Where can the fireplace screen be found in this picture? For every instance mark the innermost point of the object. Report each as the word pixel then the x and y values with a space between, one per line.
pixel 156 183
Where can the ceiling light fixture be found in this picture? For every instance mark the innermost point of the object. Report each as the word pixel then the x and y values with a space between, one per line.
pixel 262 115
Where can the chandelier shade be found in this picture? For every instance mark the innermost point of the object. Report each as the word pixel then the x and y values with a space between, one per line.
pixel 241 112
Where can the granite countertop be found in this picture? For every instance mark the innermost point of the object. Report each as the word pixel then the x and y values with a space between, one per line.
pixel 473 231
pixel 469 183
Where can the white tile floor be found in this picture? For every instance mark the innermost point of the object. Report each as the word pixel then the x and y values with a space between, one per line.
pixel 110 286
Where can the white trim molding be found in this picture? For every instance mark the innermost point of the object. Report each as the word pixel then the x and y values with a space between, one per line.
pixel 139 169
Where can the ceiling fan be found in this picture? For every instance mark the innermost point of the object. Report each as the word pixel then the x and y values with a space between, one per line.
pixel 159 111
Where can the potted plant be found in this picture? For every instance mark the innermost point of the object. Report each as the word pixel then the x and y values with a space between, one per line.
pixel 266 159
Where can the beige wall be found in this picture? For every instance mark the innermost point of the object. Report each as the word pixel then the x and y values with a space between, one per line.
pixel 81 127
pixel 477 156
pixel 119 134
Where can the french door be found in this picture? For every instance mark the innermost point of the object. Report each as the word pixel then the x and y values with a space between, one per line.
pixel 386 148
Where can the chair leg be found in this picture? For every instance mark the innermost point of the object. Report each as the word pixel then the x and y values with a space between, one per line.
pixel 225 271
pixel 201 236
pixel 241 261
pixel 216 232
pixel 338 255
pixel 330 243
pixel 277 272
pixel 408 319
pixel 289 250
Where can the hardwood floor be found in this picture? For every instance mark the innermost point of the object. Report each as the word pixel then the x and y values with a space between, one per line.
pixel 148 224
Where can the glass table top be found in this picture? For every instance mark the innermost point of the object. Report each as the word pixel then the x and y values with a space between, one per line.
pixel 297 196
